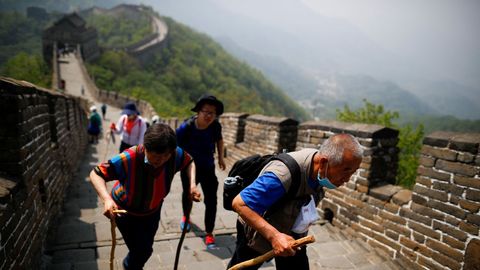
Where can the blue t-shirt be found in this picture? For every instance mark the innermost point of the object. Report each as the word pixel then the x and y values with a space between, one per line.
pixel 199 143
pixel 263 192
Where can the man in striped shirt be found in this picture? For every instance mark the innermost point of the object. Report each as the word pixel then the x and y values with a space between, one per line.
pixel 143 175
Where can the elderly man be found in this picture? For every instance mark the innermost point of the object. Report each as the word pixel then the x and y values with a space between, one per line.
pixel 270 220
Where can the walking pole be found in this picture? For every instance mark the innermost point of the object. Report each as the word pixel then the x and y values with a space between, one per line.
pixel 112 136
pixel 267 256
pixel 113 225
pixel 184 232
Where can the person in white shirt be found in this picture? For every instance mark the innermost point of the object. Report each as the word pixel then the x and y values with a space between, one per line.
pixel 130 126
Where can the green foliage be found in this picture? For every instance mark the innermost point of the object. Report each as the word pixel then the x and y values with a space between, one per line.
pixel 189 66
pixel 116 31
pixel 410 141
pixel 30 68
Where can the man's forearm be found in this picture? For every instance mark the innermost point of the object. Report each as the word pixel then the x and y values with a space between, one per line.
pixel 99 185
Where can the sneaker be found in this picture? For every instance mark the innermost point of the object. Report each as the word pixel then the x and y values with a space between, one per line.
pixel 209 240
pixel 182 224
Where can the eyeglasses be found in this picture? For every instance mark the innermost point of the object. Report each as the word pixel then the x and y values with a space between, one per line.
pixel 209 113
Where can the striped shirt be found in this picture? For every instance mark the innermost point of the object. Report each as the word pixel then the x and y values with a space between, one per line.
pixel 139 187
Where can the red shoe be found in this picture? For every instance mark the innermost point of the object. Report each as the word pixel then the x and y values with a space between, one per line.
pixel 209 240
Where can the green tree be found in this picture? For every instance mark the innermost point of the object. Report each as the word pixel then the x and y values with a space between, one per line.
pixel 27 67
pixel 410 140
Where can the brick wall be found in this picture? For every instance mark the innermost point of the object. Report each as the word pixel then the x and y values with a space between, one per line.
pixel 42 134
pixel 435 226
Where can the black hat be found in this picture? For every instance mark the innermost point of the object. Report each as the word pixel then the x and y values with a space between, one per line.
pixel 211 100
pixel 130 108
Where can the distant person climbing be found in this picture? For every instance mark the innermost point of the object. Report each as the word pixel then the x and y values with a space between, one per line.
pixel 199 135
pixel 143 175
pixel 155 119
pixel 104 110
pixel 94 125
pixel 130 126
pixel 82 90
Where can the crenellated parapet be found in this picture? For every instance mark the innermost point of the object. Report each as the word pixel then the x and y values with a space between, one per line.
pixel 432 227
pixel 43 133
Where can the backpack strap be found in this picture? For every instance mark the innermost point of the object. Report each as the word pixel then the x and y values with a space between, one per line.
pixel 294 169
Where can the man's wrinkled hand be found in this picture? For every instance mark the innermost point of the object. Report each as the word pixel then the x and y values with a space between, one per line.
pixel 282 245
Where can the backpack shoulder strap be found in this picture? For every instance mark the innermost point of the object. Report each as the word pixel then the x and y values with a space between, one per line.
pixel 294 169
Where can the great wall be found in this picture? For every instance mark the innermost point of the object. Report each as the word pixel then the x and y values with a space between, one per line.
pixel 434 226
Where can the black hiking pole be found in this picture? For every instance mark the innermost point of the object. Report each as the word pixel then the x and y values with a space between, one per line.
pixel 184 232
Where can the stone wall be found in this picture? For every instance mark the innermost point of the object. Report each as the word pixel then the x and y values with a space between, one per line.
pixel 42 134
pixel 435 226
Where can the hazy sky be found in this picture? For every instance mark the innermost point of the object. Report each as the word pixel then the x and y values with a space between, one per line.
pixel 443 32
pixel 440 37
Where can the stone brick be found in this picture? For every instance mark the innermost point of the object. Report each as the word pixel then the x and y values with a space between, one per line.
pixel 450 230
pixel 455 167
pixel 465 142
pixel 467 181
pixel 430 172
pixel 447 261
pixel 445 249
pixel 420 238
pixel 474 219
pixel 359 228
pixel 430 263
pixel 439 138
pixel 376 244
pixel 384 240
pixel 426 161
pixel 372 225
pixel 472 259
pixel 425 211
pixel 412 256
pixel 419 199
pixel 469 228
pixel 441 153
pixel 402 197
pixel 392 208
pixel 394 218
pixel 392 235
pixel 447 208
pixel 415 246
pixel 423 229
pixel 452 220
pixel 408 214
pixel 362 188
pixel 431 193
pixel 473 195
pixel 451 188
pixel 397 228
pixel 453 242
pixel 465 157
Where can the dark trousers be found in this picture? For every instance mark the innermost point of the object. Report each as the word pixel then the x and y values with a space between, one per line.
pixel 138 234
pixel 242 253
pixel 124 145
pixel 209 182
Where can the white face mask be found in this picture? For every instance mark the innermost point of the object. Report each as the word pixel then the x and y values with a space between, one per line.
pixel 324 182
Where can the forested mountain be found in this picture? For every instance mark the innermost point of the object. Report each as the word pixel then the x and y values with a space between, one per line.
pixel 191 64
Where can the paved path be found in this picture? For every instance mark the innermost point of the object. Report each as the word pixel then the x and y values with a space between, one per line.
pixel 82 238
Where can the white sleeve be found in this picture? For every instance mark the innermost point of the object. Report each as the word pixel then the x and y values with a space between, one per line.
pixel 119 126
pixel 143 128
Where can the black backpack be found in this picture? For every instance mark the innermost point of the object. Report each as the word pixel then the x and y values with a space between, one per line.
pixel 246 170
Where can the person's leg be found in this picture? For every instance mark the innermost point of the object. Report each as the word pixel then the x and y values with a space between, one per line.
pixel 209 183
pixel 299 261
pixel 242 251
pixel 138 234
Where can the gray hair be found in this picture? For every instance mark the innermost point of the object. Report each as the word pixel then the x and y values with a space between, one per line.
pixel 334 147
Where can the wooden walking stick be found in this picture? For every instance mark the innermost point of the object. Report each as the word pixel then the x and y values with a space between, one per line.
pixel 267 256
pixel 113 225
